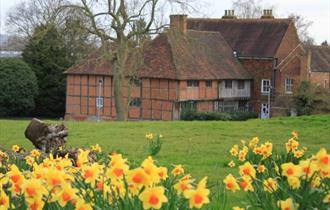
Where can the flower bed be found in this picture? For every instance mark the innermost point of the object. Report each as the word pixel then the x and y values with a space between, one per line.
pixel 275 180
pixel 108 182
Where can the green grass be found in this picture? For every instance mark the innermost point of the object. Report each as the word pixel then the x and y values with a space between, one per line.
pixel 202 147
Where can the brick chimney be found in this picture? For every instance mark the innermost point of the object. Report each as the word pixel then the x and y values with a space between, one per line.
pixel 268 14
pixel 179 23
pixel 229 14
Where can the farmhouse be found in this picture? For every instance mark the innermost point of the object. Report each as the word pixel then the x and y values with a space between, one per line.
pixel 203 64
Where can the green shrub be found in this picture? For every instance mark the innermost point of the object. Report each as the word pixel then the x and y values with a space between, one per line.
pixel 223 116
pixel 18 85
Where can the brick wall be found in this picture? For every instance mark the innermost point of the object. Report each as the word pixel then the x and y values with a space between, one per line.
pixel 156 97
pixel 202 92
pixel 259 69
pixel 321 79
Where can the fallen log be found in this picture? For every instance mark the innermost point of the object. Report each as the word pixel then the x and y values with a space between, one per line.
pixel 46 137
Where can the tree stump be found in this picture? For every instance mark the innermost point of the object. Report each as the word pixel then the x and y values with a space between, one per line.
pixel 46 137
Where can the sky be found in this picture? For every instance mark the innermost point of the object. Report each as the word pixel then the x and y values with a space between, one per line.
pixel 317 11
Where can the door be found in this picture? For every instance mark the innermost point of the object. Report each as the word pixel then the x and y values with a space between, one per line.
pixel 264 111
pixel 176 111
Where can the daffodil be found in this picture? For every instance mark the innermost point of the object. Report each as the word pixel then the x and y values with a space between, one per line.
pixel 153 197
pixel 91 173
pixel 138 177
pixel 82 205
pixel 199 196
pixel 246 183
pixel 184 184
pixel 67 194
pixel 4 200
pixel 327 198
pixel 34 188
pixel 294 182
pixel 15 148
pixel 270 185
pixel 178 170
pixel 231 164
pixel 247 170
pixel 287 204
pixel 231 183
pixel 289 169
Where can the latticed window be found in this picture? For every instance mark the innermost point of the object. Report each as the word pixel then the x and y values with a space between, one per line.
pixel 228 84
pixel 135 102
pixel 192 83
pixel 265 85
pixel 240 84
pixel 289 86
pixel 208 83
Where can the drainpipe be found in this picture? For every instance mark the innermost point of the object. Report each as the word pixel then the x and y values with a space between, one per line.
pixel 273 85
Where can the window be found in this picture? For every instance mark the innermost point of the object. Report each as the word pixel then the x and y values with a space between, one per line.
pixel 99 102
pixel 135 102
pixel 240 84
pixel 288 86
pixel 208 83
pixel 192 83
pixel 227 106
pixel 265 85
pixel 228 84
pixel 136 82
pixel 189 106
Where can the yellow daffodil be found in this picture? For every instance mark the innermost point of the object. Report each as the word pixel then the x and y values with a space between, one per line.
pixel 261 168
pixel 15 148
pixel 138 177
pixel 35 153
pixel 162 172
pixel 294 182
pixel 178 170
pixel 96 148
pixel 246 184
pixel 34 188
pixel 184 184
pixel 4 200
pixel 238 208
pixel 327 198
pixel 199 196
pixel 247 170
pixel 289 169
pixel 231 164
pixel 82 157
pixel 254 142
pixel 67 194
pixel 82 205
pixel 91 173
pixel 231 183
pixel 234 150
pixel 270 185
pixel 287 204
pixel 153 197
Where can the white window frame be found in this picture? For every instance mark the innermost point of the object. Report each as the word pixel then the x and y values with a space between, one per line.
pixel 263 90
pixel 288 86
pixel 99 102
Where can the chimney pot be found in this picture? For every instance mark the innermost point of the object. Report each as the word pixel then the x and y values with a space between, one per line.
pixel 179 22
pixel 268 14
pixel 229 14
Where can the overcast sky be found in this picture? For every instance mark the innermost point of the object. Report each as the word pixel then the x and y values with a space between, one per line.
pixel 317 11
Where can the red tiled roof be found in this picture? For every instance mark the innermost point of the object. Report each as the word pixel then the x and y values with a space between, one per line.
pixel 249 37
pixel 196 55
pixel 320 58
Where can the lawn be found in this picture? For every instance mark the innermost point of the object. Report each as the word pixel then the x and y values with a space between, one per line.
pixel 202 147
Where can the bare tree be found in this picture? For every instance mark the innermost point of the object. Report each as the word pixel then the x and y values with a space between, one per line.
pixel 302 25
pixel 27 15
pixel 117 23
pixel 248 8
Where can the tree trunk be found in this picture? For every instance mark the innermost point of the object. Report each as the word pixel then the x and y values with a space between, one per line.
pixel 46 137
pixel 119 71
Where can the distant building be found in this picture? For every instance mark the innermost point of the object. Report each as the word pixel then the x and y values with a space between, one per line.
pixel 10 54
pixel 319 66
pixel 202 64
